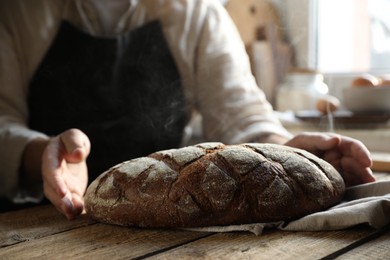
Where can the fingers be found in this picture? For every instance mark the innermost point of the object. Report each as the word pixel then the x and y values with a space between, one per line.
pixel 324 142
pixel 320 143
pixel 51 167
pixel 64 171
pixel 54 185
pixel 77 145
pixel 355 174
pixel 356 149
pixel 349 156
pixel 315 143
pixel 71 204
pixel 63 204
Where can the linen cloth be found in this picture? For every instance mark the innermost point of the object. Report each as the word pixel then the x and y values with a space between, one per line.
pixel 362 204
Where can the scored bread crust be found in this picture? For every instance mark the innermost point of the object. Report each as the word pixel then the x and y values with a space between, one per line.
pixel 212 184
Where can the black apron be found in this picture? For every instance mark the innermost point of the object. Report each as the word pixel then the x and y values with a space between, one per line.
pixel 125 93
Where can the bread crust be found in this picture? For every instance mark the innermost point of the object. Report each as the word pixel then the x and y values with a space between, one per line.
pixel 213 184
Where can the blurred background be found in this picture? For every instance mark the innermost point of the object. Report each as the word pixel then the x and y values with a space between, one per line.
pixel 323 64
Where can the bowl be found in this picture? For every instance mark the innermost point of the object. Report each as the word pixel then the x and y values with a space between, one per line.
pixel 367 99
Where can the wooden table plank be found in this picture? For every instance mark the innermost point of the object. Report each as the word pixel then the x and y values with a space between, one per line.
pixel 378 248
pixel 272 244
pixel 382 176
pixel 381 162
pixel 99 241
pixel 36 222
pixel 42 232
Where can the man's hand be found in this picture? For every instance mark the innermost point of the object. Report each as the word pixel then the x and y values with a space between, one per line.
pixel 64 171
pixel 349 156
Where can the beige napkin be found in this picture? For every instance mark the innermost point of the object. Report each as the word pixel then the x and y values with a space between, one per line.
pixel 367 203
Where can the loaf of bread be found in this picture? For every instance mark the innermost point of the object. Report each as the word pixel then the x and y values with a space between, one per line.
pixel 213 184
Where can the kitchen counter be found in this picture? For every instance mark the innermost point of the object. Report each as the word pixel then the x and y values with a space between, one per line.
pixel 376 136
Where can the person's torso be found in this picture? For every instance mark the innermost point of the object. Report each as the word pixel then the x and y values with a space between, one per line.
pixel 125 93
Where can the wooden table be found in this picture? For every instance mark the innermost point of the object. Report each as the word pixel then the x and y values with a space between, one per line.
pixel 43 233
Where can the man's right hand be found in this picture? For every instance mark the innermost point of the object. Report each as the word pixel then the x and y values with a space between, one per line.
pixel 64 171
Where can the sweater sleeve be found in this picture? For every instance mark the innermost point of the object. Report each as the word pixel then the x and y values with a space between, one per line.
pixel 233 107
pixel 14 135
pixel 215 69
pixel 21 48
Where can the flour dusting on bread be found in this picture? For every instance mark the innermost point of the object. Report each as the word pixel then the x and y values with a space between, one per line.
pixel 213 184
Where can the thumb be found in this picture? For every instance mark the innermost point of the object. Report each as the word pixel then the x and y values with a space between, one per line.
pixel 315 142
pixel 325 141
pixel 76 145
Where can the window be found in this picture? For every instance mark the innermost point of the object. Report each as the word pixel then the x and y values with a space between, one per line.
pixel 339 36
pixel 353 35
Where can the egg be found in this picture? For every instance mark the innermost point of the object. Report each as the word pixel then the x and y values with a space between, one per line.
pixel 384 81
pixel 327 104
pixel 366 80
